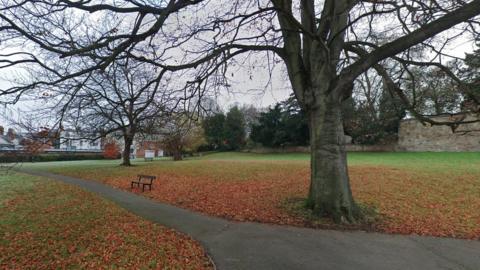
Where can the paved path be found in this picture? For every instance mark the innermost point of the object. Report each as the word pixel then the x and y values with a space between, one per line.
pixel 234 245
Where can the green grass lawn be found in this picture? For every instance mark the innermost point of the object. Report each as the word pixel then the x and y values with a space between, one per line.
pixel 443 161
pixel 372 158
pixel 45 224
pixel 423 193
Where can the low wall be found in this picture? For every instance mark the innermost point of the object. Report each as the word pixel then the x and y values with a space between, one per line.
pixel 288 149
pixel 306 149
pixel 372 148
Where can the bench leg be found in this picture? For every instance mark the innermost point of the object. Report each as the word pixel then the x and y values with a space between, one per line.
pixel 135 183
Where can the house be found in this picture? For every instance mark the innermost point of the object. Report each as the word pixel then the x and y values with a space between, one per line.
pixel 148 142
pixel 11 140
pixel 46 140
pixel 141 143
pixel 72 140
pixel 30 142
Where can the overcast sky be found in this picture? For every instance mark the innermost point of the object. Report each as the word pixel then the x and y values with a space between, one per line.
pixel 248 86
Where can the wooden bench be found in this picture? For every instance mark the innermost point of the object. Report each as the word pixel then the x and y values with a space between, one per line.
pixel 144 180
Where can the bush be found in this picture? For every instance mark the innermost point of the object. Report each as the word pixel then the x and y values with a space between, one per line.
pixel 22 157
pixel 111 150
pixel 205 148
pixel 11 158
pixel 67 157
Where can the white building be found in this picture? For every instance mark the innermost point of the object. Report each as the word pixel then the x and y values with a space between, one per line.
pixel 71 140
pixel 11 140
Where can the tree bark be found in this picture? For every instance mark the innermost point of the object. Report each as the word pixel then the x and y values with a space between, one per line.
pixel 330 193
pixel 177 155
pixel 128 141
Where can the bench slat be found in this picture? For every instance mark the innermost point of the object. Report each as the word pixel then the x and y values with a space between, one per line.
pixel 147 181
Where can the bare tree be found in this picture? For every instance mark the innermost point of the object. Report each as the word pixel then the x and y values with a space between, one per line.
pixel 324 45
pixel 121 101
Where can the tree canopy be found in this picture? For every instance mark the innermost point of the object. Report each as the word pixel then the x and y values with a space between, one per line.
pixel 281 125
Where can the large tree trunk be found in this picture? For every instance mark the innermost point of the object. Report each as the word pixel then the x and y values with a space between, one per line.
pixel 128 141
pixel 330 193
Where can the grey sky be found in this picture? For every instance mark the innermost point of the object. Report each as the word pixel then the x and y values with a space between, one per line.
pixel 247 86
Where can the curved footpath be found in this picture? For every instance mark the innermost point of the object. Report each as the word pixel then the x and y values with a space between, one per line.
pixel 234 245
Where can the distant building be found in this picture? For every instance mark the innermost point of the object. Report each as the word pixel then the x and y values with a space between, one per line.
pixel 48 141
pixel 141 143
pixel 148 142
pixel 71 140
pixel 11 140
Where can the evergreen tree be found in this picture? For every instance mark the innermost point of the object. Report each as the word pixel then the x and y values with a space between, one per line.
pixel 472 77
pixel 284 124
pixel 391 112
pixel 269 124
pixel 234 129
pixel 213 127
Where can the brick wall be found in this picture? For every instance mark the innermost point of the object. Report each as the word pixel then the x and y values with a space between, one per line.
pixel 148 145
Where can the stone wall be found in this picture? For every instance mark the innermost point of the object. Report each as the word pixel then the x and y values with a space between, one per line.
pixel 306 149
pixel 414 136
pixel 288 149
pixel 371 148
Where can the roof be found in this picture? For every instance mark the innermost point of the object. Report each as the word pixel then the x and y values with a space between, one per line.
pixel 4 140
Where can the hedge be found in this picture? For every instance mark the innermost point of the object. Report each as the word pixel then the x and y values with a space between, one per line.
pixel 9 158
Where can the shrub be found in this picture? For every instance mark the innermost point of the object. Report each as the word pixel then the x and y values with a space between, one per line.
pixel 111 150
pixel 23 157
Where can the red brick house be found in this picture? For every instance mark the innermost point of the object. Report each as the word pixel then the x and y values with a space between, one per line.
pixel 141 146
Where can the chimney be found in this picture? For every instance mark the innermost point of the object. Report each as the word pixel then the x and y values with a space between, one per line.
pixel 2 130
pixel 11 134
